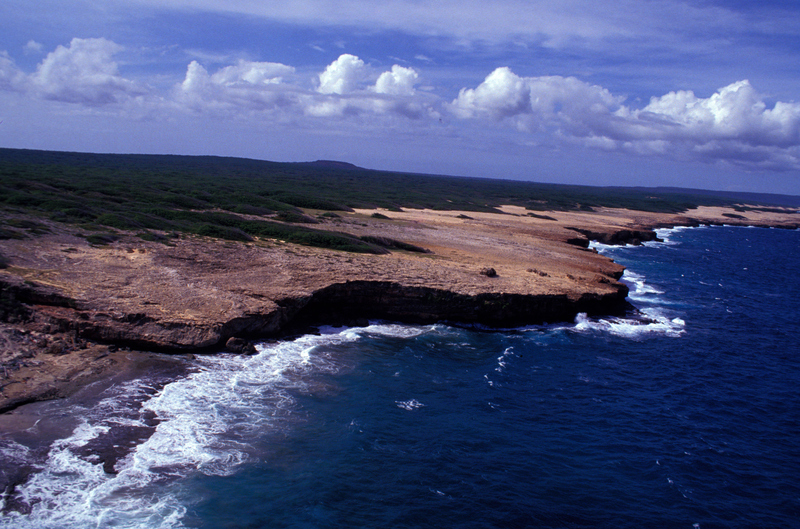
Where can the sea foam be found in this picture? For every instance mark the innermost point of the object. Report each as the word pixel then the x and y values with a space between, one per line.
pixel 653 322
pixel 207 422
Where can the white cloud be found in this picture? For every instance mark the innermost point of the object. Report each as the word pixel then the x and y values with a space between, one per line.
pixel 400 81
pixel 344 84
pixel 33 47
pixel 537 103
pixel 84 73
pixel 735 112
pixel 343 90
pixel 244 86
pixel 11 77
pixel 502 94
pixel 252 73
pixel 342 75
pixel 733 125
pixel 197 78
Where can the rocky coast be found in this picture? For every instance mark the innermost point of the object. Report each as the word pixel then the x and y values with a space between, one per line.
pixel 72 313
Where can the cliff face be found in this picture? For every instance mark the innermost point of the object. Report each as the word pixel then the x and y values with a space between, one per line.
pixel 618 237
pixel 345 302
pixel 43 311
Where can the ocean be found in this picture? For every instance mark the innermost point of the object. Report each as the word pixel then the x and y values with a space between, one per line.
pixel 685 414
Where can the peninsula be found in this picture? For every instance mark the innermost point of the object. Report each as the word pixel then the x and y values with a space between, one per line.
pixel 105 259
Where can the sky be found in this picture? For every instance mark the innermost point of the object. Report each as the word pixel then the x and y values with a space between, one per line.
pixel 690 93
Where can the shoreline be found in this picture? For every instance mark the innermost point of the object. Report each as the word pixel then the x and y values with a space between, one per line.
pixel 72 311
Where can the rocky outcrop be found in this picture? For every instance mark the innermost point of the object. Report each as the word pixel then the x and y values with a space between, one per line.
pixel 619 237
pixel 240 346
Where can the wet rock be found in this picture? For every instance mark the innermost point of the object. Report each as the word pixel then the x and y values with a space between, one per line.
pixel 240 346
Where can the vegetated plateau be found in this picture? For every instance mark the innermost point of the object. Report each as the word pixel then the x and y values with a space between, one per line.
pixel 163 196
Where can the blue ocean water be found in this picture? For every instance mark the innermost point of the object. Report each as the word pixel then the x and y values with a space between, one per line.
pixel 686 416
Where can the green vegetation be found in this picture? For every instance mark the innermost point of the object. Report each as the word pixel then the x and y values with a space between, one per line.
pixel 239 199
pixel 538 216
pixel 733 216
pixel 101 239
pixel 393 244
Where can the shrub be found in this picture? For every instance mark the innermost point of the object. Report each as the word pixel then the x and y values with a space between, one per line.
pixel 152 237
pixel 113 220
pixel 386 242
pixel 10 234
pixel 101 239
pixel 247 209
pixel 299 218
pixel 222 232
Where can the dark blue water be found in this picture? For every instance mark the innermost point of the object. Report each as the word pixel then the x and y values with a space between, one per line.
pixel 690 418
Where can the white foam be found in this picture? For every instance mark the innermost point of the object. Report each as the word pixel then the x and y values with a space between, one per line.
pixel 502 360
pixel 209 422
pixel 409 405
pixel 639 289
pixel 665 234
pixel 653 322
pixel 401 331
pixel 600 247
pixel 73 492
pixel 13 452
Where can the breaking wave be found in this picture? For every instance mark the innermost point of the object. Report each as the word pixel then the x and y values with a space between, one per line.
pixel 208 422
pixel 652 322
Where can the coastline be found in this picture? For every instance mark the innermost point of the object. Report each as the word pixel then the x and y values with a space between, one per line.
pixel 74 313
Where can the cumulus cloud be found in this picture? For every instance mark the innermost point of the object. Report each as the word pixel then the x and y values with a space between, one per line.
pixel 85 72
pixel 345 85
pixel 541 101
pixel 342 75
pixel 345 88
pixel 734 124
pixel 735 112
pixel 502 94
pixel 246 85
pixel 252 73
pixel 400 81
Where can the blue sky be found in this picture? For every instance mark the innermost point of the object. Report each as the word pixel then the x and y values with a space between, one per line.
pixel 632 92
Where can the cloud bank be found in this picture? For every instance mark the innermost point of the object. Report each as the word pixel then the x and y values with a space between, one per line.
pixel 734 125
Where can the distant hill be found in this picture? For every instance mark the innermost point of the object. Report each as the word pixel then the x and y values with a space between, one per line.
pixel 94 184
pixel 770 199
pixel 331 164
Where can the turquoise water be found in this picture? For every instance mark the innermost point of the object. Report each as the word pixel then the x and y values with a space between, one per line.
pixel 685 415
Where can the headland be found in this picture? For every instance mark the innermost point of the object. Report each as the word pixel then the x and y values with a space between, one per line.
pixel 75 312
